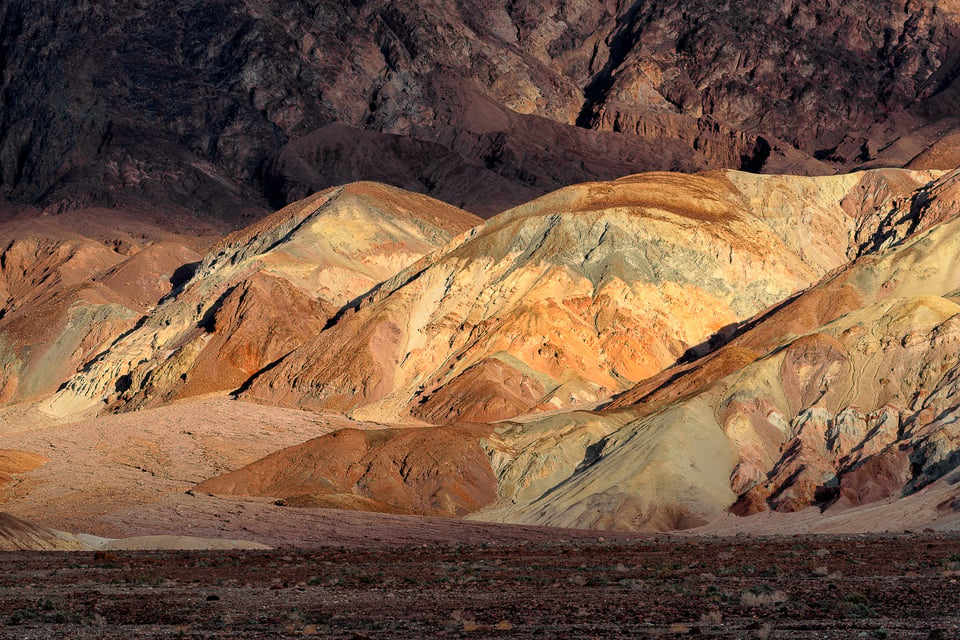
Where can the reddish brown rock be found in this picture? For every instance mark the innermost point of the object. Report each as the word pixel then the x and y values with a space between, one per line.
pixel 482 393
pixel 13 462
pixel 426 471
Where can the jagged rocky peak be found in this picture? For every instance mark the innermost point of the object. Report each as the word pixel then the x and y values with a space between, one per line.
pixel 225 109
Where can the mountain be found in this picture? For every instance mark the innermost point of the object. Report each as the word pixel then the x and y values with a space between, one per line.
pixel 70 284
pixel 617 265
pixel 224 110
pixel 648 353
pixel 839 397
pixel 578 295
pixel 259 293
pixel 836 397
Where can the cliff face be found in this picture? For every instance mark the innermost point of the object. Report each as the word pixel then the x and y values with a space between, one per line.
pixel 222 108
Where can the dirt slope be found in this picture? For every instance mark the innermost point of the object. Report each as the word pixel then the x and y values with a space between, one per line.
pixel 841 397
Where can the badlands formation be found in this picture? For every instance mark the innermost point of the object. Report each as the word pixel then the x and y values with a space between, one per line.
pixel 516 262
pixel 663 351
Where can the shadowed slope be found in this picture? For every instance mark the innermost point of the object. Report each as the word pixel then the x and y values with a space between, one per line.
pixel 71 284
pixel 216 106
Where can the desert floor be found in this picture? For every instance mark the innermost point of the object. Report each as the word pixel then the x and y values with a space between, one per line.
pixel 579 587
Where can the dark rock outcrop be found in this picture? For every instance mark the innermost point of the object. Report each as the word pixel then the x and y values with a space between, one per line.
pixel 221 108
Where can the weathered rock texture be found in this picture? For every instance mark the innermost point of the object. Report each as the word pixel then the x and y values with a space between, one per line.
pixel 260 293
pixel 579 295
pixel 844 395
pixel 218 107
pixel 71 284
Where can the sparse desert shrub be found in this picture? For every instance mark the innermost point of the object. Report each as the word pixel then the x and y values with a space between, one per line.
pixel 44 611
pixel 861 611
pixel 712 617
pixel 856 605
pixel 952 563
pixel 713 591
pixel 762 596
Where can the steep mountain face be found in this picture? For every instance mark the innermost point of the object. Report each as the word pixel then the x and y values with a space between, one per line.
pixel 222 108
pixel 775 69
pixel 260 293
pixel 578 295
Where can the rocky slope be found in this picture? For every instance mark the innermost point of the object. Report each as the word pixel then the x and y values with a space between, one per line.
pixel 579 295
pixel 260 293
pixel 838 397
pixel 71 284
pixel 843 396
pixel 218 108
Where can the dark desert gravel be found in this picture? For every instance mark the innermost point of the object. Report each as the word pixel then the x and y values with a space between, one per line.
pixel 731 587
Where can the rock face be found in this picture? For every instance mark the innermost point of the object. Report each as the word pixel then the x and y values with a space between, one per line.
pixel 260 293
pixel 218 107
pixel 685 69
pixel 577 295
pixel 557 303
